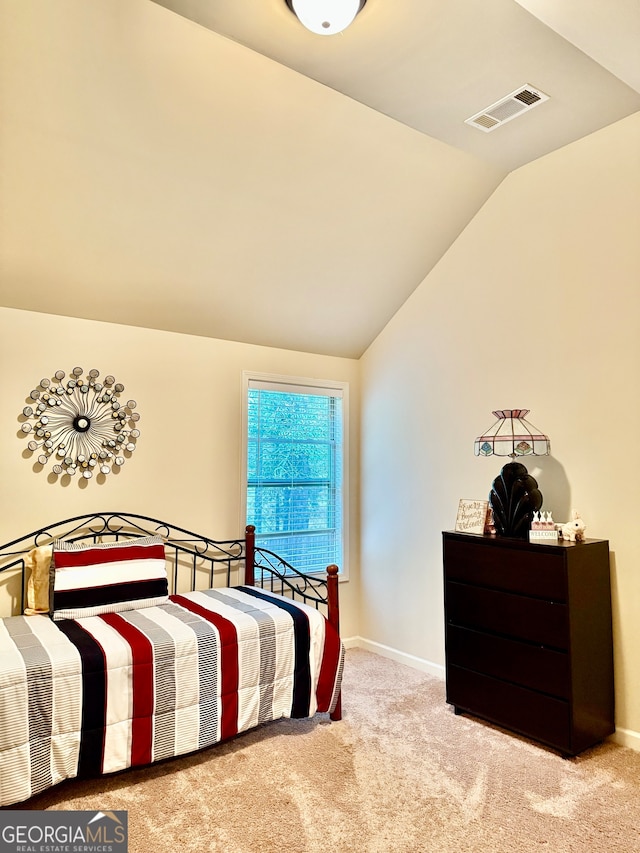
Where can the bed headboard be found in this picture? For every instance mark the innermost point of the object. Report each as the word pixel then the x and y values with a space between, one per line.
pixel 193 561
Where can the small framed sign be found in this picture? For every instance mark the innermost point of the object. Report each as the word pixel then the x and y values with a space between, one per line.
pixel 472 516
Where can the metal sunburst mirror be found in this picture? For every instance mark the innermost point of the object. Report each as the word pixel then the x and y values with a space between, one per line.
pixel 80 424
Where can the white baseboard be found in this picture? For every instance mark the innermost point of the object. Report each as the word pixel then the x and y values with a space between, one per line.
pixel 400 657
pixel 624 737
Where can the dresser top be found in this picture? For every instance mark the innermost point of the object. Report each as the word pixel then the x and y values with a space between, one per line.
pixel 523 544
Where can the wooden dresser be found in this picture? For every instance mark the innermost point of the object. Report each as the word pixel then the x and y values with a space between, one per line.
pixel 528 636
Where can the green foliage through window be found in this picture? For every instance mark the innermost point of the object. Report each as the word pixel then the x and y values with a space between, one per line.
pixel 294 474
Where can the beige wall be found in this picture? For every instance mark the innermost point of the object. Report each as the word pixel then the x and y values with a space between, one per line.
pixel 186 468
pixel 536 305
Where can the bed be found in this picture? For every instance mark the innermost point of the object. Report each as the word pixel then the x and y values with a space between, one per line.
pixel 131 641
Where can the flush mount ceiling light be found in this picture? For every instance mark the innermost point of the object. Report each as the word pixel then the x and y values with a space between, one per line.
pixel 325 17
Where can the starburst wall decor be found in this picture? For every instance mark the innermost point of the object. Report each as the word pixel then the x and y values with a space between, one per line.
pixel 80 424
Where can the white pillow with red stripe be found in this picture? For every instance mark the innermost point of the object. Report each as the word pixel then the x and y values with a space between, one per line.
pixel 108 578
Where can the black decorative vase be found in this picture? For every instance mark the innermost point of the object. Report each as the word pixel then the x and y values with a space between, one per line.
pixel 514 498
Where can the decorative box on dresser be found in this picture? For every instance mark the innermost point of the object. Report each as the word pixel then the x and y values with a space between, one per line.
pixel 528 636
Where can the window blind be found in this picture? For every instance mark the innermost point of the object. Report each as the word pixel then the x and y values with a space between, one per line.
pixel 295 461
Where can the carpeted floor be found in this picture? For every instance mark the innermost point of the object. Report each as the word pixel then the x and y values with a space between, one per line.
pixel 400 774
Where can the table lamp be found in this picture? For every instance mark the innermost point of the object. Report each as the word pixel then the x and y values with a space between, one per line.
pixel 514 495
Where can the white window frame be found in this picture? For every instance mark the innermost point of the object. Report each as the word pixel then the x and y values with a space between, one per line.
pixel 281 382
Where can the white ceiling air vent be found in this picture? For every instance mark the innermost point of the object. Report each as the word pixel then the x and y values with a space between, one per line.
pixel 517 103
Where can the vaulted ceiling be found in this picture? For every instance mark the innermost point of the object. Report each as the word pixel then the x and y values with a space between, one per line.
pixel 431 64
pixel 210 167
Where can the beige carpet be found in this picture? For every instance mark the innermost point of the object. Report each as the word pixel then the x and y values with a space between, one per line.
pixel 400 773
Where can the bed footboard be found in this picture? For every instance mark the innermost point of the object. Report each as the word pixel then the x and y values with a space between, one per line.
pixel 266 569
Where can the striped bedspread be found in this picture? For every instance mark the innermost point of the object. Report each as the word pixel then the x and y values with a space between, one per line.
pixel 103 693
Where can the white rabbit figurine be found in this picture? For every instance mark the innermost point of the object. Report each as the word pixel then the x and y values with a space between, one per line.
pixel 574 530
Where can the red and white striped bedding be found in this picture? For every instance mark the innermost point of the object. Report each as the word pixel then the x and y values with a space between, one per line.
pixel 103 693
pixel 91 579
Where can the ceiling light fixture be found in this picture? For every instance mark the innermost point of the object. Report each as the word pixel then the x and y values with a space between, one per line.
pixel 325 17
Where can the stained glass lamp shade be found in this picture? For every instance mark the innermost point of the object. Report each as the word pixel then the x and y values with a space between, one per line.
pixel 514 495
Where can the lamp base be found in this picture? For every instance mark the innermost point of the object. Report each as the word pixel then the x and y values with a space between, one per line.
pixel 514 498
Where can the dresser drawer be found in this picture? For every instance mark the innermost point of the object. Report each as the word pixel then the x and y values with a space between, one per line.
pixel 533 714
pixel 516 616
pixel 522 663
pixel 540 573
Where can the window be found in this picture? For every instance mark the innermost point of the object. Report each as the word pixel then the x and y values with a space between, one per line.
pixel 295 469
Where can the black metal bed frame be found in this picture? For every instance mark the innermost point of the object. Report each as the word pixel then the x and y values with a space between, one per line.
pixel 193 561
